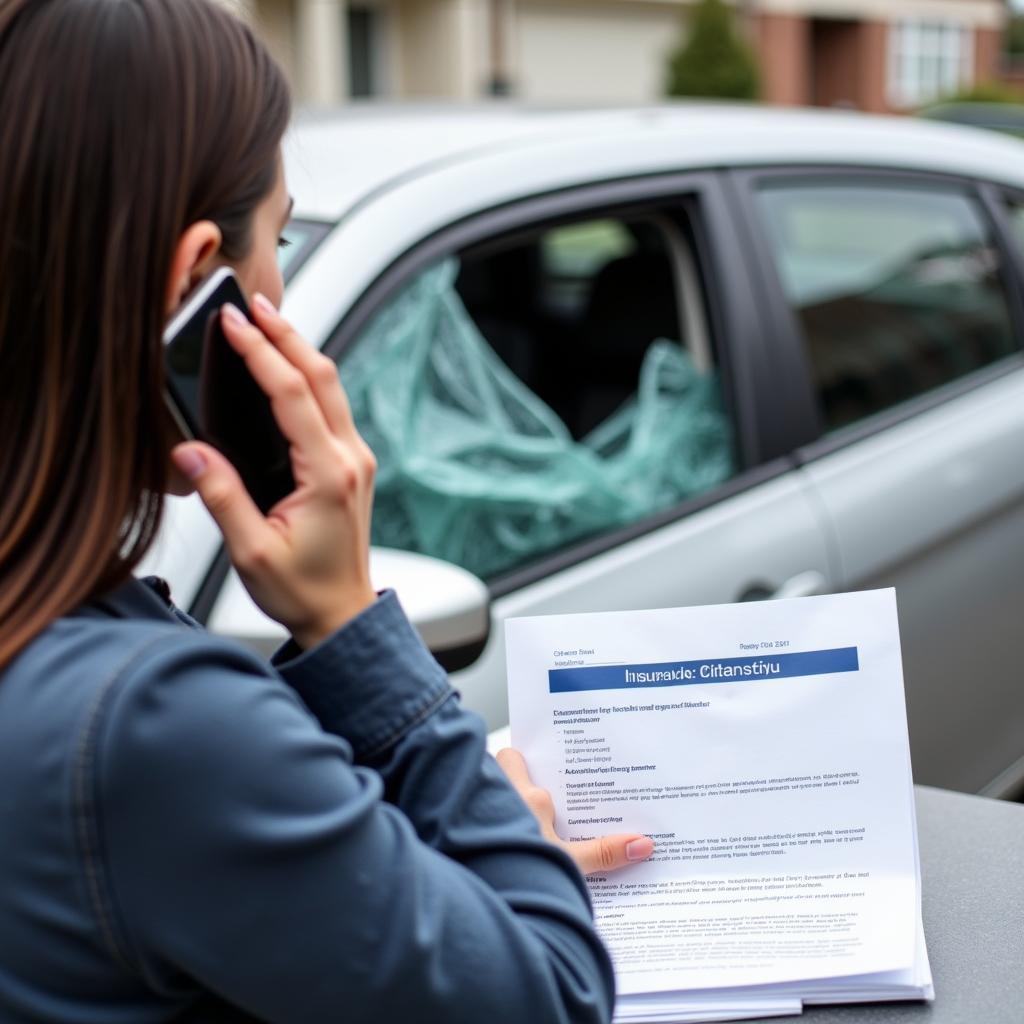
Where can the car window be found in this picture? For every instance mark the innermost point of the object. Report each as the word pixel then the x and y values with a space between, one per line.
pixel 897 289
pixel 532 391
pixel 298 240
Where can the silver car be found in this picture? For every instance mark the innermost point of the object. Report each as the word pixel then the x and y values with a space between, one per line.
pixel 673 356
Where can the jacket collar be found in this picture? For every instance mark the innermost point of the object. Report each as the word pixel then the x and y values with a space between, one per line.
pixel 148 597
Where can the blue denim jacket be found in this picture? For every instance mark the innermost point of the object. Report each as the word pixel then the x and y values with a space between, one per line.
pixel 190 834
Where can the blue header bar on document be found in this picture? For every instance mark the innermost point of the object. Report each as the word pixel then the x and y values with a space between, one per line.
pixel 759 668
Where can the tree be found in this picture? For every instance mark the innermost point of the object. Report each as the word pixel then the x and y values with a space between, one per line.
pixel 714 60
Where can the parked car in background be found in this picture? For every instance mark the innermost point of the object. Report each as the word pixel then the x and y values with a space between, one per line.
pixel 998 117
pixel 674 356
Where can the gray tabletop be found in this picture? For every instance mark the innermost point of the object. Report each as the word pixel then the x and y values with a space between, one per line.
pixel 972 868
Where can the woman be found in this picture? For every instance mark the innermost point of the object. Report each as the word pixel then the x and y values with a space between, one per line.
pixel 189 833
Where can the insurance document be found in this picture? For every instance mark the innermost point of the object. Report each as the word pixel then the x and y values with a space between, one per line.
pixel 764 748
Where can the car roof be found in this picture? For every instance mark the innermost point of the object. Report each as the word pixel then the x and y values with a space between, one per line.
pixel 341 159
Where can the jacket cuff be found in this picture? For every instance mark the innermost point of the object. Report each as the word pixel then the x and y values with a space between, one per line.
pixel 371 681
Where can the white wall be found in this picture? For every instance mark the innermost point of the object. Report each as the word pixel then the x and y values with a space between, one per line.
pixel 593 51
pixel 556 50
pixel 274 21
pixel 440 48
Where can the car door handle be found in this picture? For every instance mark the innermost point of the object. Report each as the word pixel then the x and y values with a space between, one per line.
pixel 803 584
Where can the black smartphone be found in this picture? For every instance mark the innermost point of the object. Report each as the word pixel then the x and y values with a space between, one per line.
pixel 213 398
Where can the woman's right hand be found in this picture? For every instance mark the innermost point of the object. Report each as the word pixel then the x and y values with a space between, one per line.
pixel 306 563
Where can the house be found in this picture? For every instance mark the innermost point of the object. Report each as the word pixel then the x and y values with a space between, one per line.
pixel 876 55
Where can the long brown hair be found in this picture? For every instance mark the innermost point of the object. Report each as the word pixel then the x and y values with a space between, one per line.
pixel 121 123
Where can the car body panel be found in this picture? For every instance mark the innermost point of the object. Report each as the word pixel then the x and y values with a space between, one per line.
pixel 756 540
pixel 185 548
pixel 934 506
pixel 379 150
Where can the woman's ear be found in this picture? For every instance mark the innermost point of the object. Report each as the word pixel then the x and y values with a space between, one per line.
pixel 194 257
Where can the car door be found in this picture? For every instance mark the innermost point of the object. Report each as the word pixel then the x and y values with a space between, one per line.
pixel 572 397
pixel 901 292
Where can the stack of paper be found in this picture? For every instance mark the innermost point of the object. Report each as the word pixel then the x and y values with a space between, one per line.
pixel 764 747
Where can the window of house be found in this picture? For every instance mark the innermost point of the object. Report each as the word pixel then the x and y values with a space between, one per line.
pixel 365 32
pixel 535 390
pixel 897 289
pixel 928 60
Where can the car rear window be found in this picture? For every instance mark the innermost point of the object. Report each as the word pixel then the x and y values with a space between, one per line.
pixel 897 288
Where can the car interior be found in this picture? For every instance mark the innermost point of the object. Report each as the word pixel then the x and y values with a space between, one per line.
pixel 575 332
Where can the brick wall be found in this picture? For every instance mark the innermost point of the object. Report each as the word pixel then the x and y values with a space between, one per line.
pixel 988 51
pixel 782 42
pixel 874 45
pixel 823 61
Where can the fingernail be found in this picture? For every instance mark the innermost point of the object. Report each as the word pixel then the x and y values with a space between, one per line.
pixel 190 462
pixel 639 849
pixel 262 302
pixel 233 313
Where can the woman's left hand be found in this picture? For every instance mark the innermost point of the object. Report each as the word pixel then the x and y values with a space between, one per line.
pixel 592 856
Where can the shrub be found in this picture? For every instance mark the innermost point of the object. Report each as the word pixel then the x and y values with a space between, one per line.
pixel 713 60
pixel 987 92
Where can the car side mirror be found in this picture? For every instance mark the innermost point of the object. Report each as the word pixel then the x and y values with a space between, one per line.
pixel 449 607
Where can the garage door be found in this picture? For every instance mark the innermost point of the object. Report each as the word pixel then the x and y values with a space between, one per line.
pixel 595 51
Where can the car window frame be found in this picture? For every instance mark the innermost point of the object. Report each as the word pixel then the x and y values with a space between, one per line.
pixel 734 319
pixel 782 321
pixel 996 197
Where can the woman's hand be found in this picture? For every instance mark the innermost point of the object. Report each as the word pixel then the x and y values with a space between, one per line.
pixel 605 853
pixel 306 563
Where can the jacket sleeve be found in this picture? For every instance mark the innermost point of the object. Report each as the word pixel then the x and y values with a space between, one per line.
pixel 369 863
